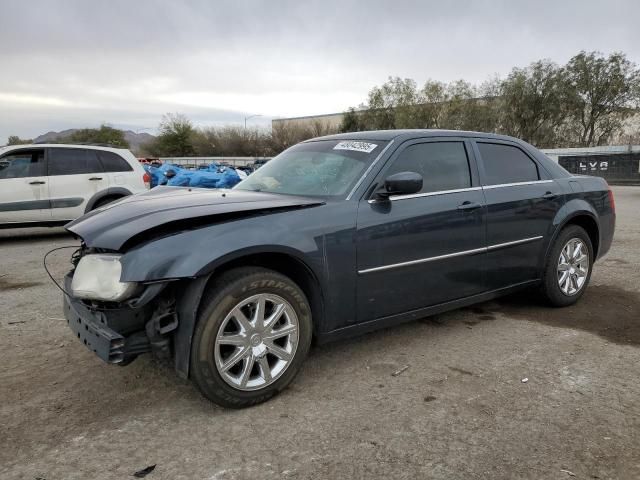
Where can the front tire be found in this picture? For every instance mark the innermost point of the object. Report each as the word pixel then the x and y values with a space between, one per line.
pixel 568 267
pixel 253 333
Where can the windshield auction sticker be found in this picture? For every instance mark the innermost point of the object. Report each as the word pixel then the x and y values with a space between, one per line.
pixel 356 146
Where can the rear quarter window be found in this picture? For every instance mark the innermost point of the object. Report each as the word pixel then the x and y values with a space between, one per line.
pixel 112 162
pixel 506 164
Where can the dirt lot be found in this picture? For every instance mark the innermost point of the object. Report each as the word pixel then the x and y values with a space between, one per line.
pixel 460 411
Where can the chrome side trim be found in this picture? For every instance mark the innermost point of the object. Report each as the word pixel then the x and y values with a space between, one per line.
pixel 490 248
pixel 369 168
pixel 516 184
pixel 423 260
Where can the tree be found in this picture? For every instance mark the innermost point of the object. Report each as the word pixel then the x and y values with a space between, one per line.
pixel 392 105
pixel 103 135
pixel 16 140
pixel 604 92
pixel 351 121
pixel 434 104
pixel 175 138
pixel 284 135
pixel 230 141
pixel 534 102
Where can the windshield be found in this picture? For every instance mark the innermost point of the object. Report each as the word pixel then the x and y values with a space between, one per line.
pixel 322 168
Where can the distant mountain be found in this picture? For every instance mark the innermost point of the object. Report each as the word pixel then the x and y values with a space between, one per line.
pixel 54 136
pixel 135 139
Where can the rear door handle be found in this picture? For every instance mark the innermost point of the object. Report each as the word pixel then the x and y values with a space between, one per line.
pixel 95 178
pixel 549 196
pixel 37 182
pixel 469 205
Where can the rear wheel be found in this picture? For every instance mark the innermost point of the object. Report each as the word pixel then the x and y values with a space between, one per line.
pixel 252 336
pixel 568 268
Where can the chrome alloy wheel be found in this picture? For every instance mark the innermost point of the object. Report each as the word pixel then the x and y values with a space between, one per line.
pixel 256 342
pixel 573 266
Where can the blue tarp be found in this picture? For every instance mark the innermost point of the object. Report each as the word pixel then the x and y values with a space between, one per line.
pixel 210 176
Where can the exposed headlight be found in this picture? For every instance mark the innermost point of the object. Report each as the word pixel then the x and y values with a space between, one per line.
pixel 97 277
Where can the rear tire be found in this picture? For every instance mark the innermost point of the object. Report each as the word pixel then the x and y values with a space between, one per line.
pixel 253 333
pixel 568 268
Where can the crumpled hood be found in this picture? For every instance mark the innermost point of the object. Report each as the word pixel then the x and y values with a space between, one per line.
pixel 164 209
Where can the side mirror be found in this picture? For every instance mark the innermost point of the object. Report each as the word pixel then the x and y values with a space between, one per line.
pixel 402 183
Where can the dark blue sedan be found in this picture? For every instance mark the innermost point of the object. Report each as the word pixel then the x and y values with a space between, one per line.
pixel 336 236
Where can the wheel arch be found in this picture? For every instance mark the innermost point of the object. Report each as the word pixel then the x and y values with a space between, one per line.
pixel 188 304
pixel 111 192
pixel 583 217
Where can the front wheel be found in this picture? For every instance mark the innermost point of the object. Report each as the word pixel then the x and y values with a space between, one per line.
pixel 253 333
pixel 568 267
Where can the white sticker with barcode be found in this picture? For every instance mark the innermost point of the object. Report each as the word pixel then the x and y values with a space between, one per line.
pixel 356 146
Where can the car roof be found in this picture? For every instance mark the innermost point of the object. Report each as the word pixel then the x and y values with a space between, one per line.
pixel 386 135
pixel 60 145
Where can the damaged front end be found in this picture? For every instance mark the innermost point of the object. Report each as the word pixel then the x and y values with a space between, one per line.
pixel 145 261
pixel 122 324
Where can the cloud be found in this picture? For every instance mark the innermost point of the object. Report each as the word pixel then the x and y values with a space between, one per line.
pixel 79 63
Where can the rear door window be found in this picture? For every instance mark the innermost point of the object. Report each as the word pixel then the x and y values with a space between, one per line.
pixel 506 164
pixel 73 161
pixel 112 162
pixel 443 165
pixel 22 163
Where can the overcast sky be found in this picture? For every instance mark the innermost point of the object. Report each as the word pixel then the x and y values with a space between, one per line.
pixel 69 64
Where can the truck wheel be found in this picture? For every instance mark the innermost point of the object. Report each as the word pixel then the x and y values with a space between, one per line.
pixel 568 267
pixel 253 333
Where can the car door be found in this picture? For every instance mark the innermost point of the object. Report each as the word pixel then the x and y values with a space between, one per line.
pixel 75 175
pixel 24 192
pixel 522 201
pixel 423 249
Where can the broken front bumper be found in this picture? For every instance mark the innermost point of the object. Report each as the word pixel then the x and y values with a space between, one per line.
pixel 115 336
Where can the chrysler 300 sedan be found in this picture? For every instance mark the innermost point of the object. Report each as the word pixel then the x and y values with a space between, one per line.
pixel 336 236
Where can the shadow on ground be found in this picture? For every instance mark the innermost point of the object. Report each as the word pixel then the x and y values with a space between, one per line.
pixel 610 312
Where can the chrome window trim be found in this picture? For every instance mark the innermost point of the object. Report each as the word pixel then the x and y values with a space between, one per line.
pixel 490 248
pixel 426 194
pixel 516 184
pixel 431 194
pixel 457 190
pixel 368 170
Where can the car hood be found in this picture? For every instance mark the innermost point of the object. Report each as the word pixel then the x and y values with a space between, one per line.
pixel 165 210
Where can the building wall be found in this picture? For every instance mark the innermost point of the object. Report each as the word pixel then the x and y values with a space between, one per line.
pixel 329 120
pixel 618 164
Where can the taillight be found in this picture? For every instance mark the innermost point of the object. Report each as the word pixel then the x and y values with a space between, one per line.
pixel 146 178
pixel 612 202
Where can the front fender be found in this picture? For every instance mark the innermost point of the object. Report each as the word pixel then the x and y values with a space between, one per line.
pixel 198 252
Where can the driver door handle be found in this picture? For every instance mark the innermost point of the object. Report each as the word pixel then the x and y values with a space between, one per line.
pixel 37 182
pixel 469 205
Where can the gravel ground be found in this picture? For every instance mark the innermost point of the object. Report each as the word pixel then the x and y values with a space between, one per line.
pixel 461 410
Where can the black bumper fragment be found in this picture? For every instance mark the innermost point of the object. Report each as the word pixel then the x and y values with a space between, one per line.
pixel 90 329
pixel 93 328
